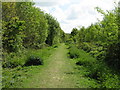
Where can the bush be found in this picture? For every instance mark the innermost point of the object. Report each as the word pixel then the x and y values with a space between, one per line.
pixel 74 52
pixel 95 49
pixel 13 60
pixel 90 63
pixel 111 81
pixel 112 56
pixel 69 41
pixel 98 70
pixel 34 60
pixel 39 46
pixel 55 46
pixel 86 46
pixel 85 59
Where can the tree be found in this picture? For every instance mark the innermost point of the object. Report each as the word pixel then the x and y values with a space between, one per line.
pixel 12 35
pixel 53 30
pixel 36 24
pixel 74 34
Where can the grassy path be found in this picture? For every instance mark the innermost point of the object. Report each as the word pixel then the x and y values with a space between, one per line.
pixel 59 72
pixel 56 73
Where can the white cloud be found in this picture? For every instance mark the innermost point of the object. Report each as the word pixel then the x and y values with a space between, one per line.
pixel 73 13
pixel 47 3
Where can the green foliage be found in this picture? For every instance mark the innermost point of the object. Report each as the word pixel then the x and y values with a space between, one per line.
pixel 12 35
pixel 118 21
pixel 73 52
pixel 26 27
pixel 8 11
pixel 96 50
pixel 34 60
pixel 62 36
pixel 85 46
pixel 112 56
pixel 69 41
pixel 55 46
pixel 101 39
pixel 13 60
pixel 53 30
pixel 105 31
pixel 74 34
pixel 97 70
pixel 36 26
pixel 13 76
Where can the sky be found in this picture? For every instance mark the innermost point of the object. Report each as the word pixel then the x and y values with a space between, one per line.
pixel 75 13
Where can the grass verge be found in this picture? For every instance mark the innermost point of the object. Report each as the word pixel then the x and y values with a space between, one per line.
pixel 14 76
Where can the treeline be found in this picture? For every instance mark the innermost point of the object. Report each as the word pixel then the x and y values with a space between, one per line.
pixel 25 26
pixel 101 39
pixel 28 27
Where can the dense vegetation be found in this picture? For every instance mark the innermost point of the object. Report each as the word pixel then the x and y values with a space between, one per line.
pixel 27 30
pixel 27 27
pixel 14 77
pixel 94 69
pixel 101 41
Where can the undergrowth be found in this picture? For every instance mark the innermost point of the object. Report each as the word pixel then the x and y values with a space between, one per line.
pixel 13 60
pixel 96 69
pixel 14 78
pixel 16 69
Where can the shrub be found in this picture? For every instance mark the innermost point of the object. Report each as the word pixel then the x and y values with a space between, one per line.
pixel 55 46
pixel 74 52
pixel 39 46
pixel 85 46
pixel 13 60
pixel 111 81
pixel 69 41
pixel 112 56
pixel 96 67
pixel 34 60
